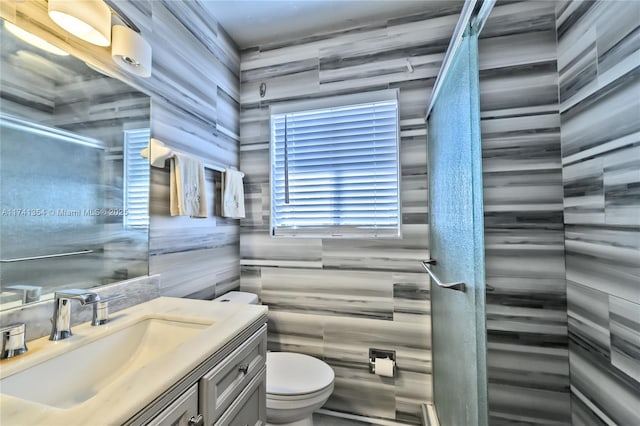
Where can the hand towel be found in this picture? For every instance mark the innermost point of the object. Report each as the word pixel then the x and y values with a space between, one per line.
pixel 232 194
pixel 188 196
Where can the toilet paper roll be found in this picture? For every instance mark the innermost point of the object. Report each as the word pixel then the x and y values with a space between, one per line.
pixel 384 367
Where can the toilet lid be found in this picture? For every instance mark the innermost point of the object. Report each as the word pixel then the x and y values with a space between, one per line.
pixel 291 374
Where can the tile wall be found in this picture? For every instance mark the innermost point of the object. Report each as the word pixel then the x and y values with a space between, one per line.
pixel 599 68
pixel 527 358
pixel 336 298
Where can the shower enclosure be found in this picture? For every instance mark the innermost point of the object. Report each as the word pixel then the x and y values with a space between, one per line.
pixel 57 192
pixel 456 227
pixel 50 179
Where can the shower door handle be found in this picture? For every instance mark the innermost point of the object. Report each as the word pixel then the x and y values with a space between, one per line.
pixel 458 286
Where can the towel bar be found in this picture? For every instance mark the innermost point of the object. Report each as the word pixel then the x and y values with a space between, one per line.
pixel 46 256
pixel 459 286
pixel 157 153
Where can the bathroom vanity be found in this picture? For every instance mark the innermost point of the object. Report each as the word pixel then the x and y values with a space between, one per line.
pixel 168 361
pixel 231 392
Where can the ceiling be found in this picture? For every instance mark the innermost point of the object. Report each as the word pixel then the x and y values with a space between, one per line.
pixel 257 22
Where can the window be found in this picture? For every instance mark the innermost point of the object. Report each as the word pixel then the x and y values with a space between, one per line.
pixel 335 167
pixel 136 179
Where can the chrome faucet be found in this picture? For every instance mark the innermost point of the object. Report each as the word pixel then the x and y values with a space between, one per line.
pixel 61 321
pixel 101 310
pixel 13 340
pixel 29 293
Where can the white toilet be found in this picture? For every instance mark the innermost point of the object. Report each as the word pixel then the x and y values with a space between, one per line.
pixel 297 384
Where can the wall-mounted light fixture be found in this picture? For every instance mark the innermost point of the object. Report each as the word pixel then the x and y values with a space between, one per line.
pixel 130 51
pixel 33 39
pixel 89 20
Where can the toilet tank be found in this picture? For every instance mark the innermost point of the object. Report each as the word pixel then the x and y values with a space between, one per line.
pixel 241 297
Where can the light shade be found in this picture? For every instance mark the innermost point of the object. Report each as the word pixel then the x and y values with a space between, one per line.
pixel 33 39
pixel 130 51
pixel 89 20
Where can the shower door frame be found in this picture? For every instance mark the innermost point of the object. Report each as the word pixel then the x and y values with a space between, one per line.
pixel 458 309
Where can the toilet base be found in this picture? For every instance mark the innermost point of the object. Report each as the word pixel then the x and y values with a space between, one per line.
pixel 307 421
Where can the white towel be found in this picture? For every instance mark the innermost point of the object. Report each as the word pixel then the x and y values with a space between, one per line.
pixel 232 194
pixel 188 191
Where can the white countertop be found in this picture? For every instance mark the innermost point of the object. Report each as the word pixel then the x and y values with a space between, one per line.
pixel 125 396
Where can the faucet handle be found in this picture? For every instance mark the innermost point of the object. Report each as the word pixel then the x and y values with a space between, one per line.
pixel 13 340
pixel 84 296
pixel 101 309
pixel 29 293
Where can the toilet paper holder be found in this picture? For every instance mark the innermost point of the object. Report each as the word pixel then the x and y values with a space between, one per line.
pixel 380 353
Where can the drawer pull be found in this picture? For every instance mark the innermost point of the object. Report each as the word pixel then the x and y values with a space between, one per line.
pixel 244 368
pixel 196 420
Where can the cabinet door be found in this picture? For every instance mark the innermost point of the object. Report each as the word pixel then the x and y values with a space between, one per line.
pixel 222 385
pixel 180 411
pixel 250 408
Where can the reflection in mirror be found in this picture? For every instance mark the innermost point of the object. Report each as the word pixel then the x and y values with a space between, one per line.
pixel 74 190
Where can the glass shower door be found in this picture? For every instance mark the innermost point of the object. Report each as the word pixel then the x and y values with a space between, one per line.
pixel 457 245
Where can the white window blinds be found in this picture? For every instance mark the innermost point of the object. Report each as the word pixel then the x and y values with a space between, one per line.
pixel 335 168
pixel 136 176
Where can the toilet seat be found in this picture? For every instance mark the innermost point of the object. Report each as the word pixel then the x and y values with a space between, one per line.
pixel 301 396
pixel 293 376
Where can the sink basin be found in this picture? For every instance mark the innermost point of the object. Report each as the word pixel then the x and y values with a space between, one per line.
pixel 74 377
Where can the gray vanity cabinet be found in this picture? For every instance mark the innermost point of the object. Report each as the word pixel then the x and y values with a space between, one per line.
pixel 229 389
pixel 180 412
pixel 224 384
pixel 250 408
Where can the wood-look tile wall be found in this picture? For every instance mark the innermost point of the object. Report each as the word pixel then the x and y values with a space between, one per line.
pixel 195 109
pixel 336 298
pixel 527 356
pixel 599 68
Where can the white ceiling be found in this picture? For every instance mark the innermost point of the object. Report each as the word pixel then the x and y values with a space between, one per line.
pixel 257 22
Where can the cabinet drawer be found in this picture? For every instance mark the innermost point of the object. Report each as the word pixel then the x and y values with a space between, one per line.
pixel 250 409
pixel 180 411
pixel 222 385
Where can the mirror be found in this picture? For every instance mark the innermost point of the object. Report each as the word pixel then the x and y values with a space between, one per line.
pixel 74 199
